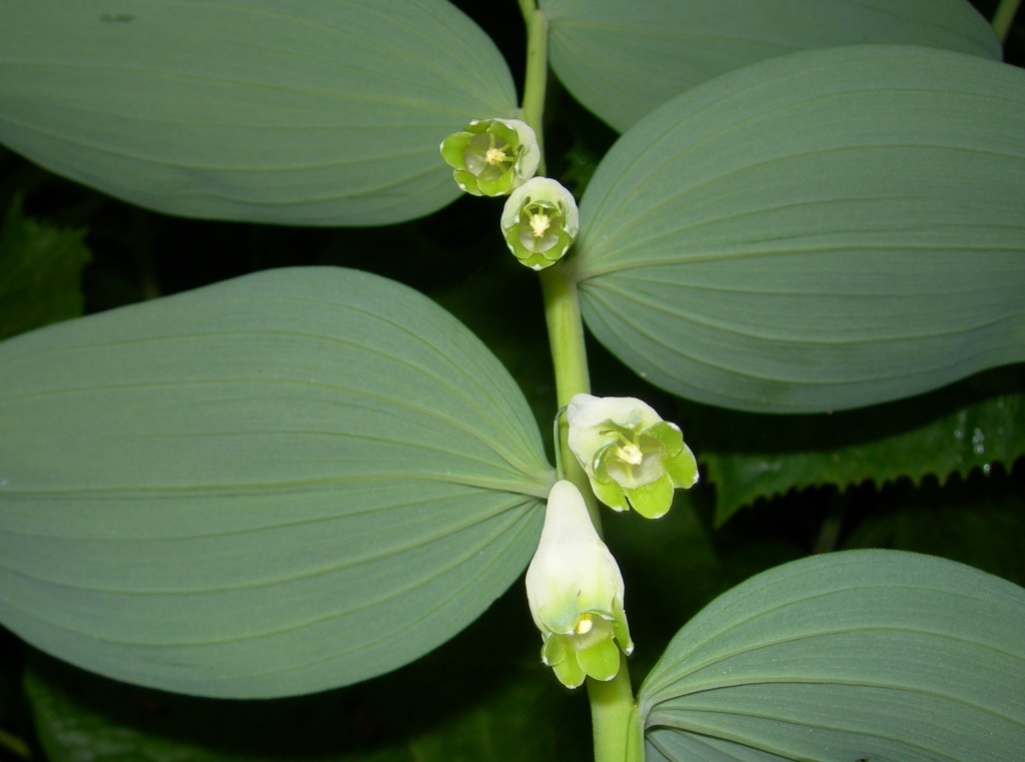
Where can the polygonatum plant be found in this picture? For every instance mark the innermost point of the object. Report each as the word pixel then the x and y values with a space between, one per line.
pixel 315 476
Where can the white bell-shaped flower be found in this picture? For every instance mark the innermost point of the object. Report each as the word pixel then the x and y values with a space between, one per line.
pixel 632 457
pixel 492 157
pixel 540 222
pixel 575 591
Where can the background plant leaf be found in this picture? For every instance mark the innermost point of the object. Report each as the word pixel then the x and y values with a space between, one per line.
pixel 978 520
pixel 868 654
pixel 40 272
pixel 826 230
pixel 321 113
pixel 623 65
pixel 282 483
pixel 975 424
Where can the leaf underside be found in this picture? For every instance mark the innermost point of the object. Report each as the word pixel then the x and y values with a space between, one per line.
pixel 857 655
pixel 315 113
pixel 624 65
pixel 283 483
pixel 826 230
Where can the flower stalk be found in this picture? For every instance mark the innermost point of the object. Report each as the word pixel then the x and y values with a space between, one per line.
pixel 615 721
pixel 536 76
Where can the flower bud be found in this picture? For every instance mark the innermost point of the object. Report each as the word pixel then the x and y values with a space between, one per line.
pixel 575 592
pixel 491 157
pixel 629 453
pixel 540 222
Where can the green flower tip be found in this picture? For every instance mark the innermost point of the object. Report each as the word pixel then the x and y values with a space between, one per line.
pixel 632 457
pixel 540 222
pixel 491 157
pixel 575 592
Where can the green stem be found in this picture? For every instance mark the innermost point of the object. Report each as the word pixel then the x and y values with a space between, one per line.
pixel 535 80
pixel 614 718
pixel 569 358
pixel 618 735
pixel 1004 16
pixel 617 730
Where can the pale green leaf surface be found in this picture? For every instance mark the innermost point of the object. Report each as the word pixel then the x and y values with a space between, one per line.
pixel 287 482
pixel 319 112
pixel 40 272
pixel 481 697
pixel 873 654
pixel 621 64
pixel 825 230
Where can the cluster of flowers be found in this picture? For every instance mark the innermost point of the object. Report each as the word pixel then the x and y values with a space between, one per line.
pixel 632 457
pixel 574 587
pixel 499 157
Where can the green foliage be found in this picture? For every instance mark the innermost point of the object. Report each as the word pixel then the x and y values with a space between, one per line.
pixel 313 475
pixel 459 704
pixel 820 231
pixel 40 269
pixel 325 113
pixel 624 65
pixel 748 456
pixel 979 521
pixel 860 655
pixel 306 478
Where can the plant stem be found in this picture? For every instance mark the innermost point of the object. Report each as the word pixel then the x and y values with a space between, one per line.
pixel 618 736
pixel 535 80
pixel 1004 16
pixel 614 719
pixel 569 358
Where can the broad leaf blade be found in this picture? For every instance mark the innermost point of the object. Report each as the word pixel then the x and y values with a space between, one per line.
pixel 855 655
pixel 825 230
pixel 320 112
pixel 478 698
pixel 621 65
pixel 284 483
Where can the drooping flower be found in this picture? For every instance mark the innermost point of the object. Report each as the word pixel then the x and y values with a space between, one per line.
pixel 575 592
pixel 632 457
pixel 492 157
pixel 540 222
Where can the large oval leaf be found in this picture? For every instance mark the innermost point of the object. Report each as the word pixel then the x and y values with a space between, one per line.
pixel 287 482
pixel 322 112
pixel 860 655
pixel 622 65
pixel 825 230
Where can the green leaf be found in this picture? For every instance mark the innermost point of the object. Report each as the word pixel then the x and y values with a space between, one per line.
pixel 462 703
pixel 40 273
pixel 867 654
pixel 825 230
pixel 283 483
pixel 752 456
pixel 314 113
pixel 623 65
